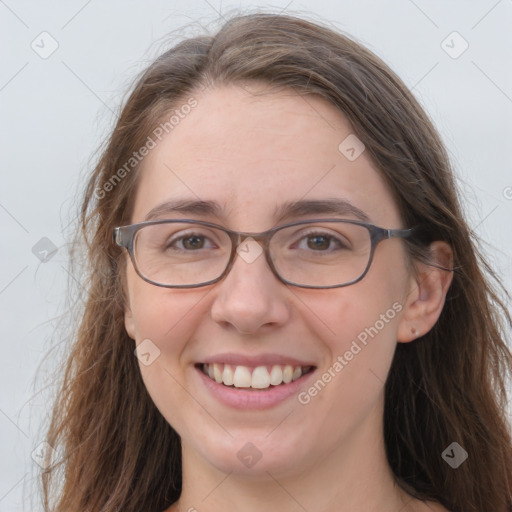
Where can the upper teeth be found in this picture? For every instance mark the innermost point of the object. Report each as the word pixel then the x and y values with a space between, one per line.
pixel 260 378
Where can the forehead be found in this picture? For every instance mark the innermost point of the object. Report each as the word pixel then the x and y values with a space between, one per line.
pixel 252 152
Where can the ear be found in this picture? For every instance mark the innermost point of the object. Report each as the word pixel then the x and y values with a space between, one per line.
pixel 427 293
pixel 129 322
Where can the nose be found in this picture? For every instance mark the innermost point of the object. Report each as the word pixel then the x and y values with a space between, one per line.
pixel 250 297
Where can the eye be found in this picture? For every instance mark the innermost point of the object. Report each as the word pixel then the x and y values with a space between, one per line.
pixel 319 241
pixel 189 242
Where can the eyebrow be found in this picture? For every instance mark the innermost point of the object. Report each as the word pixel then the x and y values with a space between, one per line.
pixel 286 211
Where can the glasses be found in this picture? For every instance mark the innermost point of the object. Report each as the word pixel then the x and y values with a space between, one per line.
pixel 321 253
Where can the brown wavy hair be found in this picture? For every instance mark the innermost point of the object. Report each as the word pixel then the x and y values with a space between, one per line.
pixel 449 385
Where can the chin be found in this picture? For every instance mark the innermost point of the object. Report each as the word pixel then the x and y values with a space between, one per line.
pixel 254 456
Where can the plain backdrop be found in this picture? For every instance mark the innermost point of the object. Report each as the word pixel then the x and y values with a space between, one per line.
pixel 65 67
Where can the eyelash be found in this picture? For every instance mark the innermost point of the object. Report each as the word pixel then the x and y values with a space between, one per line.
pixel 311 233
pixel 322 234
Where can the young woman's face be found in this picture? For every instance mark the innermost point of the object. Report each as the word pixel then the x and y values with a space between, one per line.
pixel 251 155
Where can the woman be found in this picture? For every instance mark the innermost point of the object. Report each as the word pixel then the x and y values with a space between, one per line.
pixel 274 231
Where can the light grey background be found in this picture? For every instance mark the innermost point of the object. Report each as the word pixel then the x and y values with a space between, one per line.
pixel 56 110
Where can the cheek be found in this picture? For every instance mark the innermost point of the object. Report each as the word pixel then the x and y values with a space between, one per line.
pixel 349 388
pixel 369 321
pixel 365 326
pixel 163 315
pixel 365 311
pixel 363 322
pixel 164 323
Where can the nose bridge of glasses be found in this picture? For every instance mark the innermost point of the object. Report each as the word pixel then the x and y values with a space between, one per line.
pixel 248 247
pixel 239 237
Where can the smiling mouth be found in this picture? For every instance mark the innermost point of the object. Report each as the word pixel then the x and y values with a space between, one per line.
pixel 257 378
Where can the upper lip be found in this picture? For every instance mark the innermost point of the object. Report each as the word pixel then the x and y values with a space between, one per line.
pixel 257 360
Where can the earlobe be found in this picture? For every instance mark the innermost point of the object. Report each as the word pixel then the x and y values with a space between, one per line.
pixel 427 294
pixel 129 323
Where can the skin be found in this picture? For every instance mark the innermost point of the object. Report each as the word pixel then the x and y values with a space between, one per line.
pixel 252 153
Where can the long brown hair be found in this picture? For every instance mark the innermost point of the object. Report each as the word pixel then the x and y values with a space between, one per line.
pixel 447 386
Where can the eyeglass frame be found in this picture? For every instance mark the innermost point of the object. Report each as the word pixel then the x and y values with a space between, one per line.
pixel 124 236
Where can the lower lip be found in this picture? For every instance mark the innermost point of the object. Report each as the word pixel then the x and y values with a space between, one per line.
pixel 238 398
